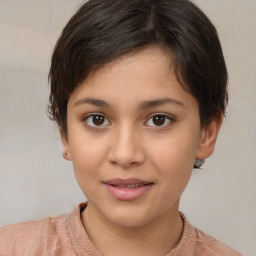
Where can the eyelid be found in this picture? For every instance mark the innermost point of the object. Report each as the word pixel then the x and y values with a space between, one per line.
pixel 168 116
pixel 95 114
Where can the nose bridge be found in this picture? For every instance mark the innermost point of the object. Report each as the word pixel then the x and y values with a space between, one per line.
pixel 126 147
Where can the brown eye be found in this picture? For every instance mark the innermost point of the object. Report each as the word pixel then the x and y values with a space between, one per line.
pixel 159 120
pixel 96 120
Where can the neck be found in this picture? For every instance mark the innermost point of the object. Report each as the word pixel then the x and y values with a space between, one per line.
pixel 156 238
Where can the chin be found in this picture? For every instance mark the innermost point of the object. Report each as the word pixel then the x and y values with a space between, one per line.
pixel 130 218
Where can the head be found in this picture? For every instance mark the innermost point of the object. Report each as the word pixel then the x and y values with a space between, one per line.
pixel 151 56
pixel 94 37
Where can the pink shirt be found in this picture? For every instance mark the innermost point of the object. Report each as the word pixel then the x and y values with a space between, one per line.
pixel 65 235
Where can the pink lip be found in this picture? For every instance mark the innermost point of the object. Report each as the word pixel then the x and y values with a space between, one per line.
pixel 119 189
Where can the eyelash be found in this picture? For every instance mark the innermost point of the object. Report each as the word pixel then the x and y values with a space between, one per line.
pixel 85 119
pixel 166 117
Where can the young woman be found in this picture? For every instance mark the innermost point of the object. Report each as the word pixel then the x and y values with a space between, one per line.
pixel 138 90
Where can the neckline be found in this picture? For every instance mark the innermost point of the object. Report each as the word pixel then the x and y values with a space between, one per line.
pixel 82 243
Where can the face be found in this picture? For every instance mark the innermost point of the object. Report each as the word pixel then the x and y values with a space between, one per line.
pixel 133 136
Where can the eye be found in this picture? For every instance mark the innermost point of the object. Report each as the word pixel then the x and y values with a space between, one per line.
pixel 159 120
pixel 96 120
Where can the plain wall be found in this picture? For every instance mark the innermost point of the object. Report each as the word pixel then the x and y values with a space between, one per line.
pixel 36 182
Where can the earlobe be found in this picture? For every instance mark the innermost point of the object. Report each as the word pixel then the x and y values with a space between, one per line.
pixel 65 147
pixel 66 155
pixel 208 138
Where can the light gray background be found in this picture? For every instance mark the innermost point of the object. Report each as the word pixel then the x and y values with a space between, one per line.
pixel 36 182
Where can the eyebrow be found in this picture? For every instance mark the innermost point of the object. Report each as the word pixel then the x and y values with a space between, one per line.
pixel 141 106
pixel 96 102
pixel 159 102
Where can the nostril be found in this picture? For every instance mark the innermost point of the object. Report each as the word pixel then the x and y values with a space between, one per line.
pixel 125 165
pixel 125 150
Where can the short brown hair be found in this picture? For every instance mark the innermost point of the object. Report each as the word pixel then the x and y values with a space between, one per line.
pixel 101 31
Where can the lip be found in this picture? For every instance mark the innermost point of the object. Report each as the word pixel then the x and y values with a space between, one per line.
pixel 127 189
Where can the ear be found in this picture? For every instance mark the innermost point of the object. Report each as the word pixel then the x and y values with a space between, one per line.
pixel 65 147
pixel 208 138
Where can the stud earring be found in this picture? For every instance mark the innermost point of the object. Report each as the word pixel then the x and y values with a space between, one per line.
pixel 198 163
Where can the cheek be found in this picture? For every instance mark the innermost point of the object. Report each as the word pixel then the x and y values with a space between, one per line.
pixel 87 148
pixel 173 156
pixel 86 161
pixel 87 154
pixel 174 160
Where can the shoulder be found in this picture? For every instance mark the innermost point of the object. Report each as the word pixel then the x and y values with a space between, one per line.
pixel 196 242
pixel 208 245
pixel 33 237
pixel 49 225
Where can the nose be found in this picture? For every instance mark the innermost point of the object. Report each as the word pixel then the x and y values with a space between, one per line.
pixel 126 148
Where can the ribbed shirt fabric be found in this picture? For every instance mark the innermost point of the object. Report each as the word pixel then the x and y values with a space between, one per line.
pixel 65 235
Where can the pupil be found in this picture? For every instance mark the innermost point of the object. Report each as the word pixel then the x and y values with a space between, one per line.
pixel 158 120
pixel 98 120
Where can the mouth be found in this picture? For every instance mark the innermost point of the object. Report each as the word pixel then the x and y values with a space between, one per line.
pixel 129 186
pixel 127 189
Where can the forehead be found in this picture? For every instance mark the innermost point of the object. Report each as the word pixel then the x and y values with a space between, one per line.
pixel 141 75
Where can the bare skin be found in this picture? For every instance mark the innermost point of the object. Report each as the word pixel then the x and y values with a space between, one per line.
pixel 132 120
